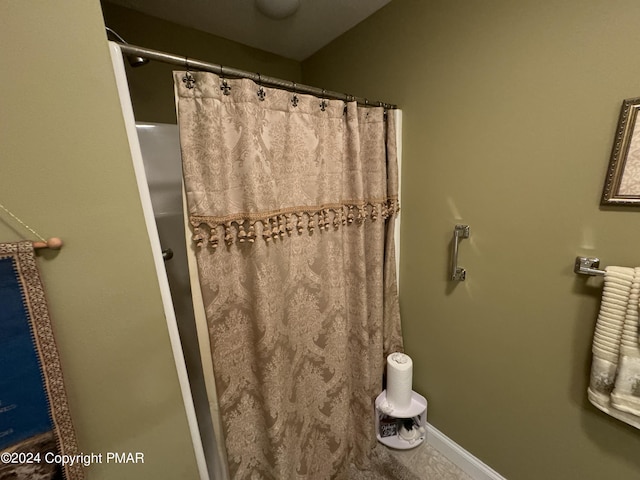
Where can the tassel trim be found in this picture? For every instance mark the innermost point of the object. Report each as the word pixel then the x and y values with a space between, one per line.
pixel 273 226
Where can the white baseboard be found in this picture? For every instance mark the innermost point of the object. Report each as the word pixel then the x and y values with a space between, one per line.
pixel 469 464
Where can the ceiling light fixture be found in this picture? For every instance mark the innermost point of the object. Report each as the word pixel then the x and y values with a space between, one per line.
pixel 277 9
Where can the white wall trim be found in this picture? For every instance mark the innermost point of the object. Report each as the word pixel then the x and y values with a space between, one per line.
pixel 469 464
pixel 398 117
pixel 147 208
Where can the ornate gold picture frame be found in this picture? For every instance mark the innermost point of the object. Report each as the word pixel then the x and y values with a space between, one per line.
pixel 622 185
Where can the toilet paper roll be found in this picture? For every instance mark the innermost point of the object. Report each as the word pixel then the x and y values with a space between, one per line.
pixel 399 380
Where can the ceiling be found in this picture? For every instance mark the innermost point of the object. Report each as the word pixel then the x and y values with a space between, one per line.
pixel 314 25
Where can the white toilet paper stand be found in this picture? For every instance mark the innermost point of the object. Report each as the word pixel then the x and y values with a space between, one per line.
pixel 388 425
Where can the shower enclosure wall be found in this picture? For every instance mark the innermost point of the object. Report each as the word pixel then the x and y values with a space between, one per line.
pixel 155 152
pixel 160 148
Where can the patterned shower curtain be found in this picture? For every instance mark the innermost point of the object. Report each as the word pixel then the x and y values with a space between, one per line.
pixel 292 201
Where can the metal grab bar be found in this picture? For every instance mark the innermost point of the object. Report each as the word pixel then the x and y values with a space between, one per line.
pixel 587 266
pixel 458 273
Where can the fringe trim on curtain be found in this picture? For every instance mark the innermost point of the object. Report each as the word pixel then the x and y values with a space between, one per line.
pixel 246 227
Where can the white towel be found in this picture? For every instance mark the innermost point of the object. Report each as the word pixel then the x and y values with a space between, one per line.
pixel 615 369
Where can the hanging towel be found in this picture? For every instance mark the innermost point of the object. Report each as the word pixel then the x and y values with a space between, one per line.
pixel 615 370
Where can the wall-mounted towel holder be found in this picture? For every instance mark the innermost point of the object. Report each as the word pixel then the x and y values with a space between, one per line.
pixel 587 266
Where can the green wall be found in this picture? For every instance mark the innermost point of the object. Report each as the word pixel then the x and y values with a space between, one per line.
pixel 510 110
pixel 151 86
pixel 66 171
pixel 509 114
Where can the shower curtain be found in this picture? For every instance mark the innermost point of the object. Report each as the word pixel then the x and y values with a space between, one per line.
pixel 292 201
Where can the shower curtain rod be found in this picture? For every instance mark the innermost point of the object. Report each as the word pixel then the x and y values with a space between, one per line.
pixel 190 63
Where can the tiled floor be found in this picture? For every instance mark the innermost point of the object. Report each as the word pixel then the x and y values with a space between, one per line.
pixel 428 463
pixel 421 463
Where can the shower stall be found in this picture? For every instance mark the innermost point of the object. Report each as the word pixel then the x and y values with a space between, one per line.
pixel 155 150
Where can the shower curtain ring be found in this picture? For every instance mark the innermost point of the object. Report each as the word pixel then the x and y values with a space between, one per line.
pixel 323 103
pixel 294 99
pixel 188 79
pixel 225 86
pixel 261 92
pixel 348 98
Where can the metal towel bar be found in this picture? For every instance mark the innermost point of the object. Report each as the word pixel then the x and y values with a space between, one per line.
pixel 587 266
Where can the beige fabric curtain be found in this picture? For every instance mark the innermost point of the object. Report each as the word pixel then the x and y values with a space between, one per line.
pixel 292 201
